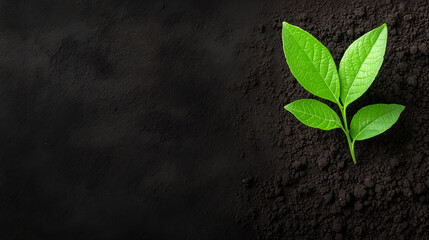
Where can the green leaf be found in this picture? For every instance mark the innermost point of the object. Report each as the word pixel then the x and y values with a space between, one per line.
pixel 311 63
pixel 373 120
pixel 314 114
pixel 361 63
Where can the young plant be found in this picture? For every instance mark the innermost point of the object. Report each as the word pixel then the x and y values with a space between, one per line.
pixel 313 66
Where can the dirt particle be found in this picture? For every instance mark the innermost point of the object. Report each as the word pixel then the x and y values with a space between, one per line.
pixel 417 158
pixel 359 12
pixel 337 226
pixel 328 197
pixel 285 179
pixel 412 81
pixel 359 192
pixel 247 182
pixel 407 192
pixel 368 182
pixel 303 16
pixel 396 88
pixel 378 188
pixel 358 206
pixel 402 66
pixel 287 131
pixel 277 191
pixel 418 189
pixel 298 165
pixel 341 165
pixel 358 31
pixel 401 7
pixel 408 17
pixel 358 231
pixel 339 236
pixel 423 48
pixel 413 49
pixel 400 55
pixel 394 162
pixel 343 198
pixel 322 162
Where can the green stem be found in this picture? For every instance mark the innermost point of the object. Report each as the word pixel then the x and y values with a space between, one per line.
pixel 347 132
pixel 352 150
pixel 352 147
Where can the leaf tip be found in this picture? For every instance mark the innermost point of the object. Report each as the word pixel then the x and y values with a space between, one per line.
pixel 399 106
pixel 285 25
pixel 384 27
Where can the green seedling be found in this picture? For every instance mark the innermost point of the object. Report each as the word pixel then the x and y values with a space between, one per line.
pixel 313 66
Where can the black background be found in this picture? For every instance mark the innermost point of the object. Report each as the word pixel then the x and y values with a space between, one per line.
pixel 164 120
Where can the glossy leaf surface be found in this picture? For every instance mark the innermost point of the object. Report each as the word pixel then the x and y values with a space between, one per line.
pixel 361 63
pixel 373 120
pixel 314 114
pixel 311 63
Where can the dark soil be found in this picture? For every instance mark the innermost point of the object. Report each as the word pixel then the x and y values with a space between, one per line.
pixel 165 120
pixel 314 190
